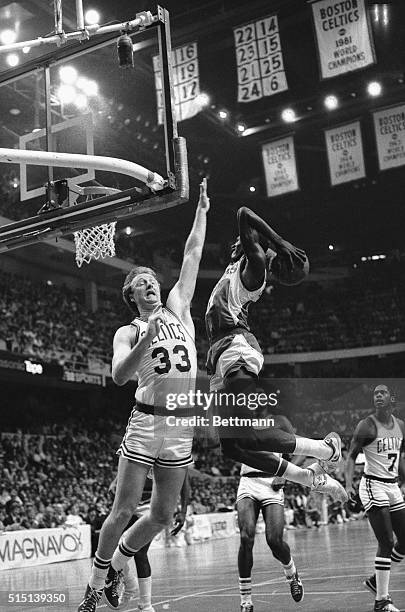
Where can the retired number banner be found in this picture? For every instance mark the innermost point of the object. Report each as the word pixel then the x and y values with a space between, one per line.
pixel 259 59
pixel 186 81
pixel 343 36
pixel 389 127
pixel 345 153
pixel 279 166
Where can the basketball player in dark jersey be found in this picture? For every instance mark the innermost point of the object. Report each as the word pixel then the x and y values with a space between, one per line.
pixel 235 358
pixel 380 437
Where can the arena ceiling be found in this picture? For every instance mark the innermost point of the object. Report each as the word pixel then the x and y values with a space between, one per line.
pixel 365 216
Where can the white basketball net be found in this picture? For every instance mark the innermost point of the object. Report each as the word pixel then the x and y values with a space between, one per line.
pixel 95 242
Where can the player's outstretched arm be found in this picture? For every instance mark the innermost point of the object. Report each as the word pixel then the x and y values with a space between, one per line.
pixel 129 348
pixel 363 435
pixel 180 296
pixel 248 219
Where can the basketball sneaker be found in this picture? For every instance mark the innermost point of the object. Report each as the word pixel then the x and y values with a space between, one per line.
pixel 90 600
pixel 296 588
pixel 113 588
pixel 323 483
pixel 333 440
pixel 371 584
pixel 384 605
pixel 246 607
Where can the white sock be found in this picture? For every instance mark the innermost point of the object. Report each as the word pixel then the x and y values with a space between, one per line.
pixel 382 574
pixel 290 569
pixel 130 577
pixel 245 590
pixel 145 591
pixel 312 448
pixel 396 556
pixel 121 556
pixel 99 572
pixel 302 476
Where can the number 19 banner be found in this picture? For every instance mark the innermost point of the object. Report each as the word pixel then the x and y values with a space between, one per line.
pixel 259 59
pixel 186 81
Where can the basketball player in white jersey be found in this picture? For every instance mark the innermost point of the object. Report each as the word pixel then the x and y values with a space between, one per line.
pixel 158 348
pixel 235 358
pixel 380 437
pixel 260 491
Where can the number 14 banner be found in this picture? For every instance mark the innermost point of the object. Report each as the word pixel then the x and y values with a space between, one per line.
pixel 259 59
pixel 186 81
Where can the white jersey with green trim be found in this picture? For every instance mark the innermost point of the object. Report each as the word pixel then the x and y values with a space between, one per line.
pixel 169 364
pixel 382 454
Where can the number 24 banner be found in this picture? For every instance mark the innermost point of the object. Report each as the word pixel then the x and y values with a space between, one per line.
pixel 186 82
pixel 259 59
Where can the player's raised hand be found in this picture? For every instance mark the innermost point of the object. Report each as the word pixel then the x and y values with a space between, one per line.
pixel 293 256
pixel 155 321
pixel 204 201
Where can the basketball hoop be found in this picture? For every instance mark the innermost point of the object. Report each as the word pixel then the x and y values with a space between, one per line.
pixel 98 241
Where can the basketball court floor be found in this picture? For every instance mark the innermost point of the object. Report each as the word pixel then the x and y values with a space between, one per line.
pixel 333 561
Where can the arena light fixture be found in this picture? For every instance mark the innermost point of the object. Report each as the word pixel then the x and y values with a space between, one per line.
pixel 26 50
pixel 92 17
pixel 331 102
pixel 203 99
pixel 68 75
pixel 8 37
pixel 374 89
pixel 331 247
pixel 252 188
pixel 12 59
pixel 241 128
pixel 81 101
pixel 222 114
pixel 288 115
pixel 128 230
pixel 66 94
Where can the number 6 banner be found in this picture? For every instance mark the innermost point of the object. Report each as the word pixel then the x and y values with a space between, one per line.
pixel 259 59
pixel 186 82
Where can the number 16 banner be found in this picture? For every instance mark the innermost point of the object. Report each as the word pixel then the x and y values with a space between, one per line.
pixel 186 81
pixel 259 59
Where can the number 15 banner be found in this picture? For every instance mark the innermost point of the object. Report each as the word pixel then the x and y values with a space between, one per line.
pixel 259 59
pixel 186 81
pixel 343 36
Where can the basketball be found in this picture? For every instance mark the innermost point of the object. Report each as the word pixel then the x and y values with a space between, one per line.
pixel 280 271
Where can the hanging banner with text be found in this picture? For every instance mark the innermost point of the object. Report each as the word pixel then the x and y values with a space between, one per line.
pixel 280 167
pixel 345 153
pixel 343 35
pixel 389 127
pixel 259 59
pixel 186 81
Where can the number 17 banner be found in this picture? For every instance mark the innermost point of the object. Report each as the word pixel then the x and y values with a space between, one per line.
pixel 259 59
pixel 186 81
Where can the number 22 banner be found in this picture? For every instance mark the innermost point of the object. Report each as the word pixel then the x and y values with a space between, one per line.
pixel 186 81
pixel 259 59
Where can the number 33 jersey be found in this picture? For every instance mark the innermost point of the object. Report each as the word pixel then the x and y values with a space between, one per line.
pixel 169 364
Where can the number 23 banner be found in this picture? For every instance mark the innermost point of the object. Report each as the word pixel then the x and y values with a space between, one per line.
pixel 343 36
pixel 259 59
pixel 186 81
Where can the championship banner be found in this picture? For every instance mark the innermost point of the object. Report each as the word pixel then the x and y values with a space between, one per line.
pixel 259 59
pixel 41 546
pixel 389 125
pixel 279 166
pixel 345 153
pixel 186 81
pixel 343 35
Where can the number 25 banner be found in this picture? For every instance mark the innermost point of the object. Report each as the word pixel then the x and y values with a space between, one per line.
pixel 343 35
pixel 186 82
pixel 259 59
